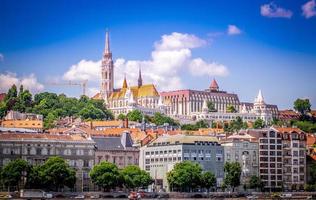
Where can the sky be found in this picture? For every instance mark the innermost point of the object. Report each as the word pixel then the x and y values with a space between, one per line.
pixel 245 45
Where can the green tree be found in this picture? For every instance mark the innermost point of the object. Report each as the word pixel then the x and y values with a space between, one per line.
pixel 231 109
pixel 49 121
pixel 134 177
pixel 202 124
pixel 121 116
pixel 235 125
pixel 185 176
pixel 255 182
pixel 259 123
pixel 3 109
pixel 302 106
pixel 135 116
pixel 211 106
pixel 161 119
pixel 56 173
pixel 232 174
pixel 105 175
pixel 34 180
pixel 91 112
pixel 208 180
pixel 13 173
pixel 306 126
pixel 12 93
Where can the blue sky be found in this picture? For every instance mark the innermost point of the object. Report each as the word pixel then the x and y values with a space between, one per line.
pixel 274 51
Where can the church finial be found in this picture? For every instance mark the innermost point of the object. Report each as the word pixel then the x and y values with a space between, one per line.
pixel 107 43
pixel 140 80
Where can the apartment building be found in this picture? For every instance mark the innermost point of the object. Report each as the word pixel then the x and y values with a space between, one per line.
pixel 35 148
pixel 118 150
pixel 160 156
pixel 282 157
pixel 242 148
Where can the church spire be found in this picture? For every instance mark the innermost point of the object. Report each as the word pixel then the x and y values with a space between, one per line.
pixel 107 70
pixel 140 80
pixel 124 83
pixel 107 43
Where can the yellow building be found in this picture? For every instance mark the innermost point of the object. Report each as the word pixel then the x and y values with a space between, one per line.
pixel 36 125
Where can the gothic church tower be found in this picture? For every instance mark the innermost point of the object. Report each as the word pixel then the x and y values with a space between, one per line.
pixel 107 70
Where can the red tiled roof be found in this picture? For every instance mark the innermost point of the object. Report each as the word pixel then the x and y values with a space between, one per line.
pixel 214 84
pixel 288 130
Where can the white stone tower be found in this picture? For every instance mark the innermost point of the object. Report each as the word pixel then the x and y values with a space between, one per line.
pixel 107 70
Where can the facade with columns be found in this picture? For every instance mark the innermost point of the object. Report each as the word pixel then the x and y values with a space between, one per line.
pixel 189 104
pixel 143 97
pixel 259 111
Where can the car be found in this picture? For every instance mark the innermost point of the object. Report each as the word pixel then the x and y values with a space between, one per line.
pixel 79 197
pixel 251 197
pixel 286 195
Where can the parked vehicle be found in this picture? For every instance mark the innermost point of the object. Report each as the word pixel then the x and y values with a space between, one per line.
pixel 286 195
pixel 79 197
pixel 251 197
pixel 34 194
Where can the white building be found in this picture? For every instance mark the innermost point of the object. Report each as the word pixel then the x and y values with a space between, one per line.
pixel 259 111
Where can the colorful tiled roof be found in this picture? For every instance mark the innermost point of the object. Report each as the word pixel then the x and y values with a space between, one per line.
pixel 288 130
pixel 105 123
pixel 138 92
pixel 97 96
pixel 33 124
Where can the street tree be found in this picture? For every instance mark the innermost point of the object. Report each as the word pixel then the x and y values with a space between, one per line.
pixel 14 172
pixel 208 180
pixel 105 175
pixel 232 174
pixel 134 177
pixel 56 173
pixel 185 176
pixel 255 182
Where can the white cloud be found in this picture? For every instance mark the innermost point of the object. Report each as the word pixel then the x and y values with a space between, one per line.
pixel 85 69
pixel 1 57
pixel 309 9
pixel 273 11
pixel 170 56
pixel 199 67
pixel 233 30
pixel 29 82
pixel 177 41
